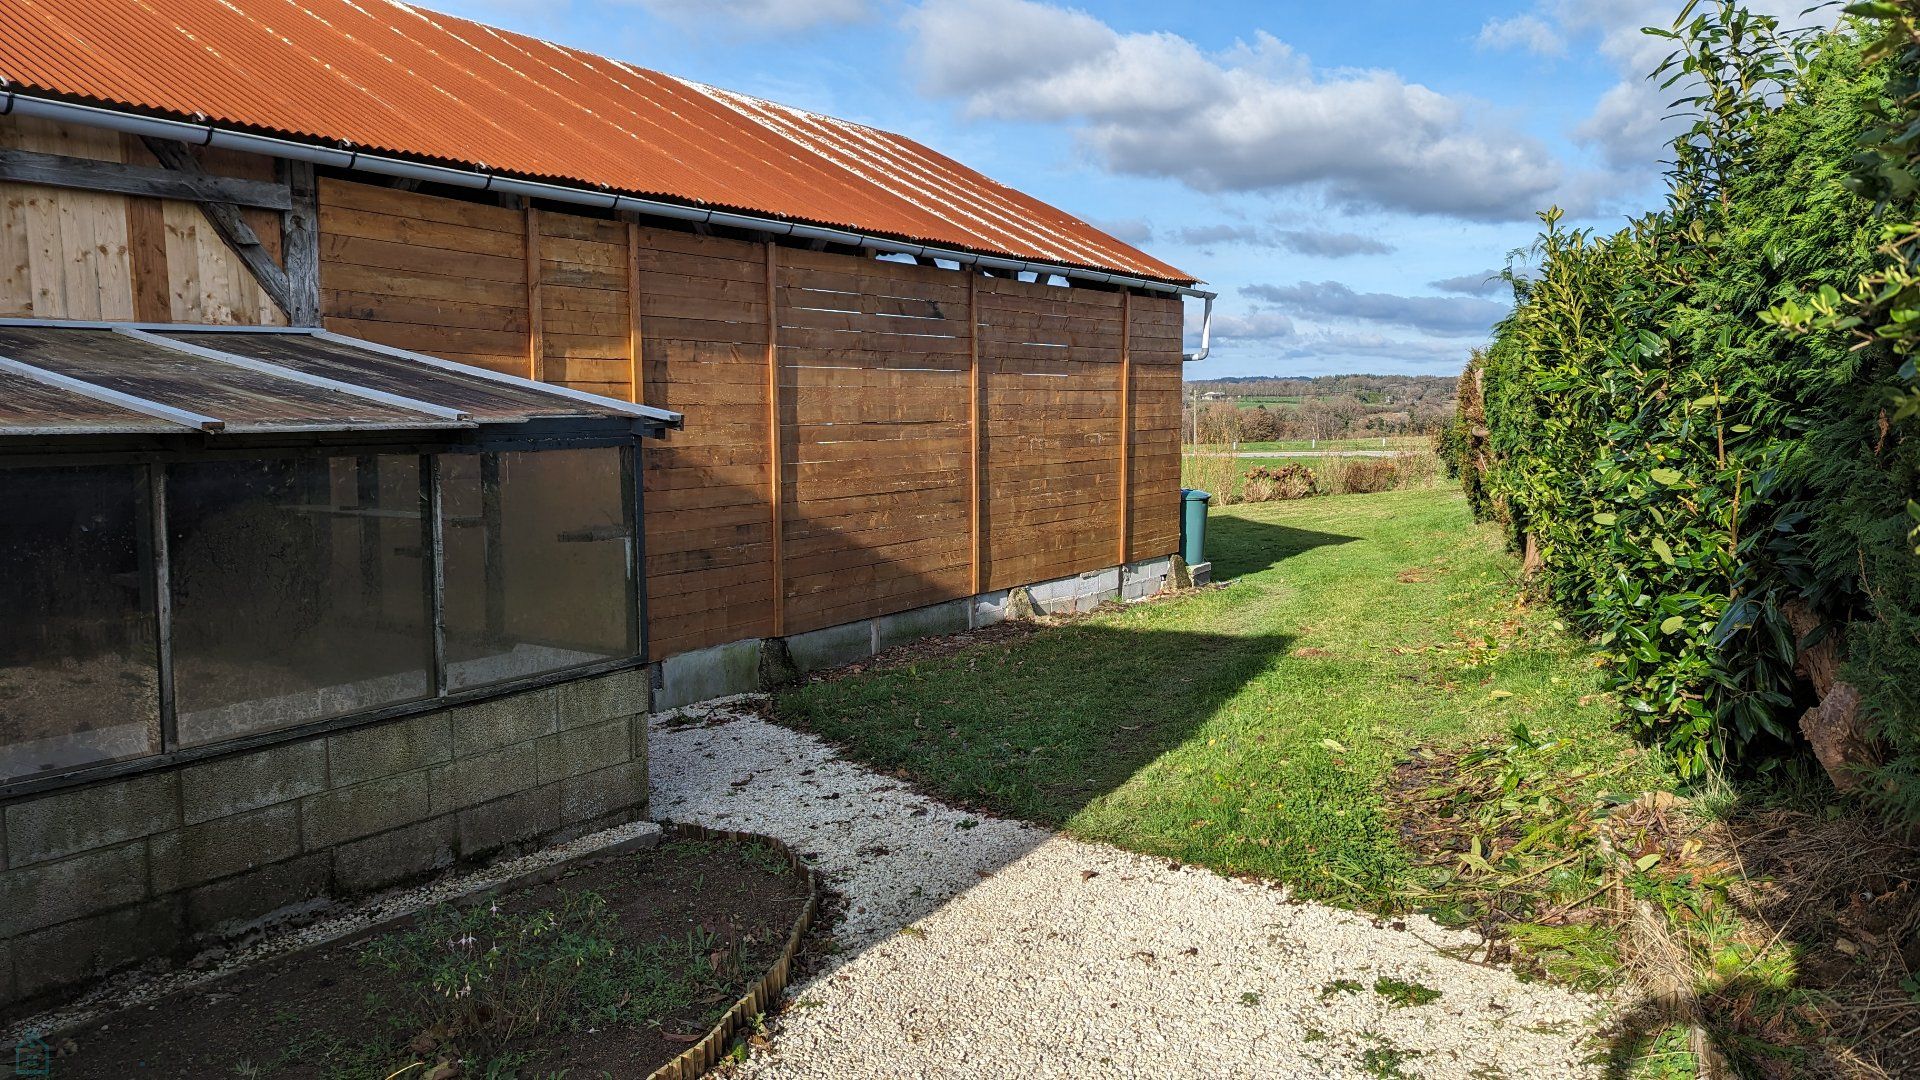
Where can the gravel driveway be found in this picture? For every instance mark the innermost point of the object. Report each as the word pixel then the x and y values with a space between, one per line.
pixel 978 947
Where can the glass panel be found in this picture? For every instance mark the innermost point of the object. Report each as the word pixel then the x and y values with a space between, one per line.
pixel 538 567
pixel 79 677
pixel 298 591
pixel 246 400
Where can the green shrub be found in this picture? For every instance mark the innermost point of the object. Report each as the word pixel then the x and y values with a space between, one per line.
pixel 1686 450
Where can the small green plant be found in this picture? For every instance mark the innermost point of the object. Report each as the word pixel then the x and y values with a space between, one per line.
pixel 1340 986
pixel 1402 994
pixel 765 859
pixel 483 975
pixel 480 976
pixel 1249 999
pixel 1386 1061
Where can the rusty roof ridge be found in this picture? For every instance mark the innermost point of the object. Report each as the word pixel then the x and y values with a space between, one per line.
pixel 207 134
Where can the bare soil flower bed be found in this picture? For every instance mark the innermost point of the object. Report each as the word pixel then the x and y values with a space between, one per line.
pixel 609 969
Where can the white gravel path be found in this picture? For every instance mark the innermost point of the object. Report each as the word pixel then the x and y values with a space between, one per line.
pixel 977 947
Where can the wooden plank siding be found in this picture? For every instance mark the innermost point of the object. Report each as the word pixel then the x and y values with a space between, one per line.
pixel 900 434
pixel 936 433
pixel 72 254
pixel 875 437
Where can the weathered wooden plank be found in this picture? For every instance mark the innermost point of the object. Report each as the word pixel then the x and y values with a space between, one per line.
pixel 147 259
pixel 413 259
pixel 536 312
pixel 89 174
pixel 380 199
pixel 636 319
pixel 420 310
pixel 447 238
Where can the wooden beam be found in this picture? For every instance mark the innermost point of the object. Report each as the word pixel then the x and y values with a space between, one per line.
pixel 300 243
pixel 636 340
pixel 1126 425
pixel 232 227
pixel 776 487
pixel 536 330
pixel 975 459
pixel 88 174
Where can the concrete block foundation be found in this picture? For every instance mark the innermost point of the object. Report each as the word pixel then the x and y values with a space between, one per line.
pixel 160 863
pixel 737 668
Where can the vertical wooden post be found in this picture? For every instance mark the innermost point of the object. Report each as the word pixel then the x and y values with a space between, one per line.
pixel 300 243
pixel 536 333
pixel 775 468
pixel 636 380
pixel 975 525
pixel 1126 425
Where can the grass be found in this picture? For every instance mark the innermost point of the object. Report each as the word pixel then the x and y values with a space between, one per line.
pixel 1250 728
pixel 1368 711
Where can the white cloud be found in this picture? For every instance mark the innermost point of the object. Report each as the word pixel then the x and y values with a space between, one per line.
pixel 1253 326
pixel 1630 125
pixel 1258 117
pixel 1447 315
pixel 759 16
pixel 1527 33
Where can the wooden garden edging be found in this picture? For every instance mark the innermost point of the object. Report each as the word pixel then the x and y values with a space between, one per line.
pixel 712 1049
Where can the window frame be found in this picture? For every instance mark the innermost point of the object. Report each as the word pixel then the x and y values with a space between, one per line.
pixel 155 455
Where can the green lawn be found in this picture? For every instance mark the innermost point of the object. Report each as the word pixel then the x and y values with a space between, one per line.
pixel 1249 728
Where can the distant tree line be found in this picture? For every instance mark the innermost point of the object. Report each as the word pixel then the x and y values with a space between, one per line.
pixel 1330 406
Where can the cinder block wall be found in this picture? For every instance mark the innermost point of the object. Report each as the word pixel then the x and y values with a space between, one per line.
pixel 103 876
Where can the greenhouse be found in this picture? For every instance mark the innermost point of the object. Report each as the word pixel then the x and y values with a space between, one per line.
pixel 219 536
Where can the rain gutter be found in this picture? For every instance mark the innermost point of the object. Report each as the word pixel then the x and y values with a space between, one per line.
pixel 206 134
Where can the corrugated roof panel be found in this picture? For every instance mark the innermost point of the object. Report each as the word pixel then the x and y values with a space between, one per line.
pixel 28 407
pixel 96 378
pixel 245 400
pixel 484 400
pixel 389 77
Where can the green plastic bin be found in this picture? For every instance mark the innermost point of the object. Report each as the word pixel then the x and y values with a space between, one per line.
pixel 1193 525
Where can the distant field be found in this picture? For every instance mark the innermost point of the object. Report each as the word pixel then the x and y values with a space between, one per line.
pixel 1390 442
pixel 1256 402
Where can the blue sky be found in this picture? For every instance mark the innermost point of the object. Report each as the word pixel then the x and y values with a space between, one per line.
pixel 1345 175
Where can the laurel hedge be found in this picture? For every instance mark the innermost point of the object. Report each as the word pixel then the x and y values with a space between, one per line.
pixel 1706 420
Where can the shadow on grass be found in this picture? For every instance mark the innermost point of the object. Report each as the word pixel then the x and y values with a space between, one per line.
pixel 1074 712
pixel 1238 545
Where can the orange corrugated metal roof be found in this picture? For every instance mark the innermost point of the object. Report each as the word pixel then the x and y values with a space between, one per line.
pixel 392 78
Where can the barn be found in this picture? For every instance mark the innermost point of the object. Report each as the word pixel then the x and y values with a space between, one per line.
pixel 543 388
